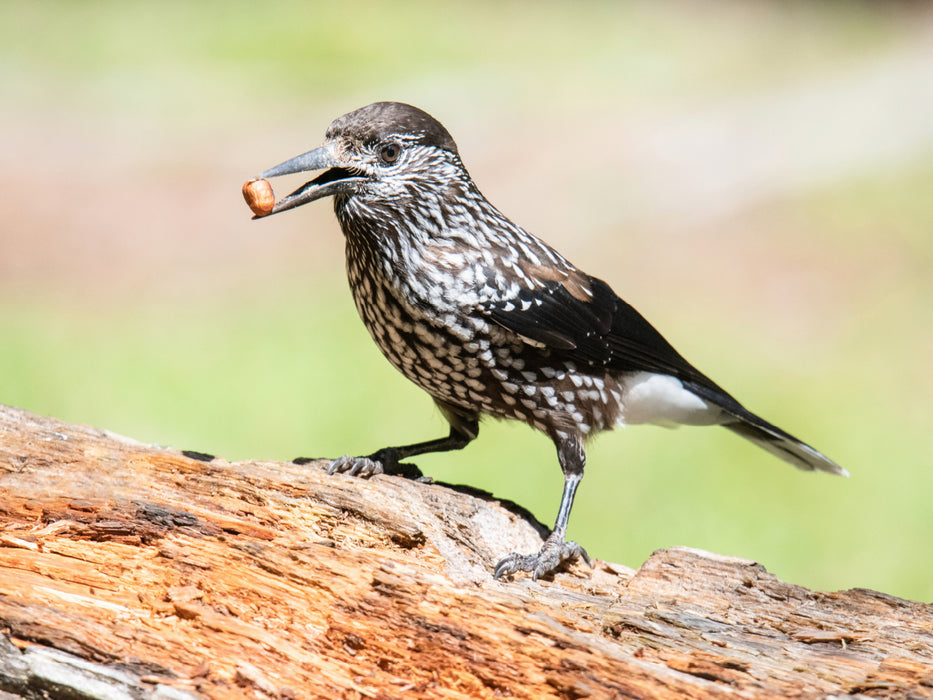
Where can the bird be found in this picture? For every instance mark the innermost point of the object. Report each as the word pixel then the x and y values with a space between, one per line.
pixel 491 321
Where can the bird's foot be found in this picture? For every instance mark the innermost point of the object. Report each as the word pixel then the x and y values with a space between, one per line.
pixel 384 461
pixel 377 463
pixel 554 555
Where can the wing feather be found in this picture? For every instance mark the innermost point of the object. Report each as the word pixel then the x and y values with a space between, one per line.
pixel 599 330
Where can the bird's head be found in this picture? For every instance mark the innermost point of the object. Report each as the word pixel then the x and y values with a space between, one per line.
pixel 384 153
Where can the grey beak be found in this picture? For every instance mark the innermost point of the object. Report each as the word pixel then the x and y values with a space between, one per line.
pixel 335 180
pixel 318 159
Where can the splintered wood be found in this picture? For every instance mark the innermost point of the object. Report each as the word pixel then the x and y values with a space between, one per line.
pixel 142 568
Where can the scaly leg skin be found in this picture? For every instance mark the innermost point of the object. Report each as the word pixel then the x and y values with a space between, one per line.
pixel 556 551
pixel 464 427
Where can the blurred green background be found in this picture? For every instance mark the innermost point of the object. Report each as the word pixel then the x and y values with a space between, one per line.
pixel 756 178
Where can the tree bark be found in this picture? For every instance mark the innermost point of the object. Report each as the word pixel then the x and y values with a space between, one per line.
pixel 129 570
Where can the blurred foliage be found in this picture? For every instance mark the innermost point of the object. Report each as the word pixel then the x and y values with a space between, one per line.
pixel 285 370
pixel 647 50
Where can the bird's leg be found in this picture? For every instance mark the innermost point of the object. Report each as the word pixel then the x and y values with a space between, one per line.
pixel 556 550
pixel 464 427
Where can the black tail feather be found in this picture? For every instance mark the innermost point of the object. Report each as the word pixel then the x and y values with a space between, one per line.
pixel 767 436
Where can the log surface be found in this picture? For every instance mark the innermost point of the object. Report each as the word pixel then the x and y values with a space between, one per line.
pixel 134 571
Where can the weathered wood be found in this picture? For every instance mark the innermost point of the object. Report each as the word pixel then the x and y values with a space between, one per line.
pixel 150 573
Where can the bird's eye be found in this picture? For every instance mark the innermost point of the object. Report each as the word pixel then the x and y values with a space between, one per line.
pixel 390 152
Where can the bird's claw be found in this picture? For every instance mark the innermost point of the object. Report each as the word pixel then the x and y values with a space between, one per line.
pixel 363 467
pixel 380 462
pixel 554 555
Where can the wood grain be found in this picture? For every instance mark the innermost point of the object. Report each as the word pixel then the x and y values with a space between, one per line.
pixel 158 574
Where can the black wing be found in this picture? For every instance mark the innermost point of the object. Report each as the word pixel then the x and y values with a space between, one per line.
pixel 595 329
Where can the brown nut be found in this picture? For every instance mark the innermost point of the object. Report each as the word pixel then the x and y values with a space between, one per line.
pixel 259 196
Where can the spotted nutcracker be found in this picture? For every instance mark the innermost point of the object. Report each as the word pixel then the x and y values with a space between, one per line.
pixel 490 320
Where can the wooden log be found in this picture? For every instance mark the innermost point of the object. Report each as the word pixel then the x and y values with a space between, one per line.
pixel 129 570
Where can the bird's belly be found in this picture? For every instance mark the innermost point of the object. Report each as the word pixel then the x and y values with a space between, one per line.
pixel 431 355
pixel 485 369
pixel 488 378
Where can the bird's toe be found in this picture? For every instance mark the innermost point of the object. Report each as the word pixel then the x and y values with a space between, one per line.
pixel 363 467
pixel 553 556
pixel 513 563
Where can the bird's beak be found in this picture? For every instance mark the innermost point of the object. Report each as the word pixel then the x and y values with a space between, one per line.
pixel 335 180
